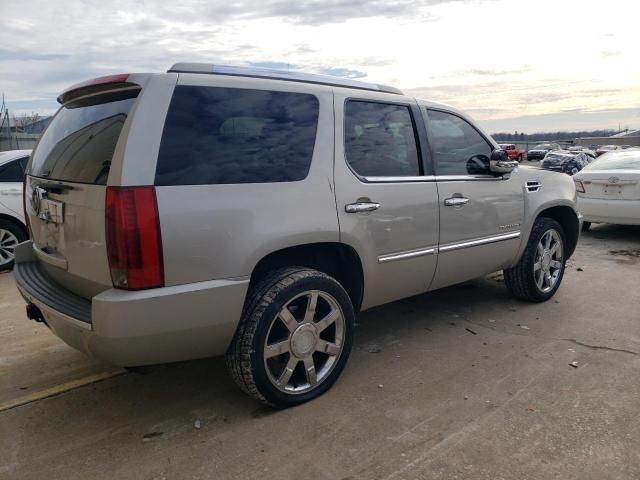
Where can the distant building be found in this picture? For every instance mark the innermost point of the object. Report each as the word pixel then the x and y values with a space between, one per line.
pixel 38 126
pixel 627 137
pixel 626 133
pixel 26 136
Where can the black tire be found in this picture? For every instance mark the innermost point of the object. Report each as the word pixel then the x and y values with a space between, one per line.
pixel 264 301
pixel 520 159
pixel 586 226
pixel 520 279
pixel 19 232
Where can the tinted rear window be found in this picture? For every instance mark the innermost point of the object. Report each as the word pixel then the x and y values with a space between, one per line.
pixel 79 143
pixel 218 135
pixel 629 160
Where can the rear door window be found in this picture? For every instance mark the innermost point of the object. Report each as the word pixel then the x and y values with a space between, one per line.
pixel 380 140
pixel 215 135
pixel 79 143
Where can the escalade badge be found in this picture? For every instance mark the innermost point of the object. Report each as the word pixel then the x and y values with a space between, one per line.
pixel 509 225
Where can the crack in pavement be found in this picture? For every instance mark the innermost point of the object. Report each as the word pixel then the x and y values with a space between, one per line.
pixel 599 347
pixel 570 340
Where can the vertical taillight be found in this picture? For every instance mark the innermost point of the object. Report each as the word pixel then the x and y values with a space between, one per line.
pixel 25 190
pixel 134 245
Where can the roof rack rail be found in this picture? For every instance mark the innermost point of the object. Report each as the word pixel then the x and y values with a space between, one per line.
pixel 211 69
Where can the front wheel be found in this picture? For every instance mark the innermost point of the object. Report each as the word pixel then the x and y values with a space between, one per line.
pixel 294 337
pixel 538 274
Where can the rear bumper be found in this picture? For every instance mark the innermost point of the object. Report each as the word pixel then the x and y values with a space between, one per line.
pixel 130 328
pixel 621 212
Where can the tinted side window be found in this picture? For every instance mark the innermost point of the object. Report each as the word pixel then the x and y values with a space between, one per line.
pixel 380 140
pixel 458 148
pixel 11 172
pixel 229 135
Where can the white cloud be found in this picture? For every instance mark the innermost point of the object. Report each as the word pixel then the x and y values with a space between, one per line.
pixel 504 60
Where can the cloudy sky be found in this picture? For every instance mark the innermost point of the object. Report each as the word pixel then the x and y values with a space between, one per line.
pixel 526 65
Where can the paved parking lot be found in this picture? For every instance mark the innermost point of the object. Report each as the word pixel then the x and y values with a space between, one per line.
pixel 465 382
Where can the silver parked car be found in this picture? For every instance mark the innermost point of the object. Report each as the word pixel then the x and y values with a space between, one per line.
pixel 222 210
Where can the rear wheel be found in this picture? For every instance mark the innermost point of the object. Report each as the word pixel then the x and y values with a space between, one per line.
pixel 11 234
pixel 294 337
pixel 538 274
pixel 586 226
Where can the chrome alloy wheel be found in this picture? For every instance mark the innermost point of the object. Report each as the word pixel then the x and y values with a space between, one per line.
pixel 8 242
pixel 548 262
pixel 304 342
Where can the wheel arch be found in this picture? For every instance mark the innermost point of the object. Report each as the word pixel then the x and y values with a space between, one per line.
pixel 568 219
pixel 15 221
pixel 336 259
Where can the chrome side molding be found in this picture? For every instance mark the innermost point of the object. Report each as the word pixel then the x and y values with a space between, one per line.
pixel 392 257
pixel 480 241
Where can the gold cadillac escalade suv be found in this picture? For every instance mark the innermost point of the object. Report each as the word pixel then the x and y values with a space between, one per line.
pixel 251 213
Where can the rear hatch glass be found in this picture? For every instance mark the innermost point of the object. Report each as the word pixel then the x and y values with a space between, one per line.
pixel 79 143
pixel 66 187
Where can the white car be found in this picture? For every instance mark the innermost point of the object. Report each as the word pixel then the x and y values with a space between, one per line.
pixel 12 225
pixel 609 189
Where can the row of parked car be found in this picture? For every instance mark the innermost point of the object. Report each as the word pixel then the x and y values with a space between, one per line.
pixel 540 151
pixel 607 179
pixel 553 157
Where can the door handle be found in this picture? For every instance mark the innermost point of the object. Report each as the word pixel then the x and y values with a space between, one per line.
pixel 456 201
pixel 361 207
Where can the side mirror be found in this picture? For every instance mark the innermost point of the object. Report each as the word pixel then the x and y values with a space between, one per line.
pixel 500 163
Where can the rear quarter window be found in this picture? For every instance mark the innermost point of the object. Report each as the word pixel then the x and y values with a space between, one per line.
pixel 216 135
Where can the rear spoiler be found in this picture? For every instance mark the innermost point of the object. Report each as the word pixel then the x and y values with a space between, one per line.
pixel 96 85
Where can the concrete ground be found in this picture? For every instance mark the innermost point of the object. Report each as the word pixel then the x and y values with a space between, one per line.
pixel 465 382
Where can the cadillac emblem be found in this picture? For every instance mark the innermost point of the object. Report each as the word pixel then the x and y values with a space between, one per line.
pixel 37 194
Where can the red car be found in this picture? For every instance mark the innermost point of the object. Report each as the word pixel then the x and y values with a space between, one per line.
pixel 514 152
